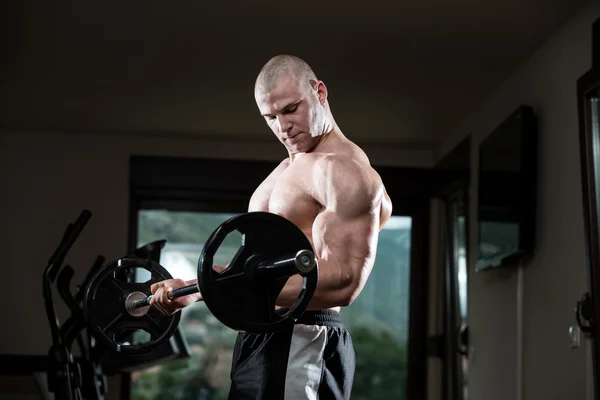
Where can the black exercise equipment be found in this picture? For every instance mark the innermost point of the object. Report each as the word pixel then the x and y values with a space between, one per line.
pixel 67 377
pixel 242 296
pixel 62 372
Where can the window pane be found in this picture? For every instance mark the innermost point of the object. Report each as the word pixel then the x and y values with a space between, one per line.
pixel 206 374
pixel 378 319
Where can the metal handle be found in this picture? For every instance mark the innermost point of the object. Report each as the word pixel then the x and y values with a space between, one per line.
pixel 583 311
pixel 302 263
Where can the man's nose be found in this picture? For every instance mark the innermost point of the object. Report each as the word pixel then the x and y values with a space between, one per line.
pixel 285 124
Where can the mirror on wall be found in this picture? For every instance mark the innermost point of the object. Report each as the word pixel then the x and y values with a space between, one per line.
pixel 507 195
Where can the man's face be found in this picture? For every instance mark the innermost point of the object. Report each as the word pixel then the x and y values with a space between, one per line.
pixel 296 116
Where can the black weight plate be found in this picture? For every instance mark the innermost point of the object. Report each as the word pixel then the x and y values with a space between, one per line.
pixel 105 313
pixel 234 297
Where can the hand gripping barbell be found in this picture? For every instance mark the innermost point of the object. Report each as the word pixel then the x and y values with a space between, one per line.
pixel 241 297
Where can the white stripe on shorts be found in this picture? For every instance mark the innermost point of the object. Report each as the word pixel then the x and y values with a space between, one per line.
pixel 305 362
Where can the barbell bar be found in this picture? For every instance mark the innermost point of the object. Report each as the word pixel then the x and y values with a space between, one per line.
pixel 303 262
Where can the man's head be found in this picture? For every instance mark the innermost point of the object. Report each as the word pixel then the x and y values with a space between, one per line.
pixel 293 102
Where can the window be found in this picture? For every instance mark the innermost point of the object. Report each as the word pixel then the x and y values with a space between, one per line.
pixel 379 318
pixel 206 373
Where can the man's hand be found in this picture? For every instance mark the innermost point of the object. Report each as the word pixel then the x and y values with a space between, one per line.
pixel 167 306
pixel 160 290
pixel 219 268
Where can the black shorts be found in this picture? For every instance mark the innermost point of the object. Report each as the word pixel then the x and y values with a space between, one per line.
pixel 313 360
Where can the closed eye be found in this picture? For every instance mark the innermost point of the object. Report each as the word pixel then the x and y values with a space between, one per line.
pixel 291 109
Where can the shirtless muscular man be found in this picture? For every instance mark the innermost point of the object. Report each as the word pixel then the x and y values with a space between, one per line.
pixel 328 188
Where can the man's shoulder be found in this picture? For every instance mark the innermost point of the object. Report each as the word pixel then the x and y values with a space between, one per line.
pixel 343 167
pixel 340 161
pixel 283 164
pixel 345 178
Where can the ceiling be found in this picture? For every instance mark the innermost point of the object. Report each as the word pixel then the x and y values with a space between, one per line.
pixel 398 73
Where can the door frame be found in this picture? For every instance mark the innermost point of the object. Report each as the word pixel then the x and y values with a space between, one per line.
pixel 453 187
pixel 453 374
pixel 587 84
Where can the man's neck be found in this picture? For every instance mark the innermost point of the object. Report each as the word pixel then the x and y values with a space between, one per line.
pixel 322 145
pixel 332 136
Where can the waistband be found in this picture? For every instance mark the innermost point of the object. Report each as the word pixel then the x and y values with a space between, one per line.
pixel 320 317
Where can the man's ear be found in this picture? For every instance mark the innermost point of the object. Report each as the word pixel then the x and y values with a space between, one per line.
pixel 321 90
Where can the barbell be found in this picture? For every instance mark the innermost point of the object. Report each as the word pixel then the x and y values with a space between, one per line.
pixel 242 296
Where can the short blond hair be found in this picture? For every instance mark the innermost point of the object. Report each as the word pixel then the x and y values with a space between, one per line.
pixel 285 66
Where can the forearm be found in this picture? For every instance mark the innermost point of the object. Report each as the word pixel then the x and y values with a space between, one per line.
pixel 345 259
pixel 334 288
